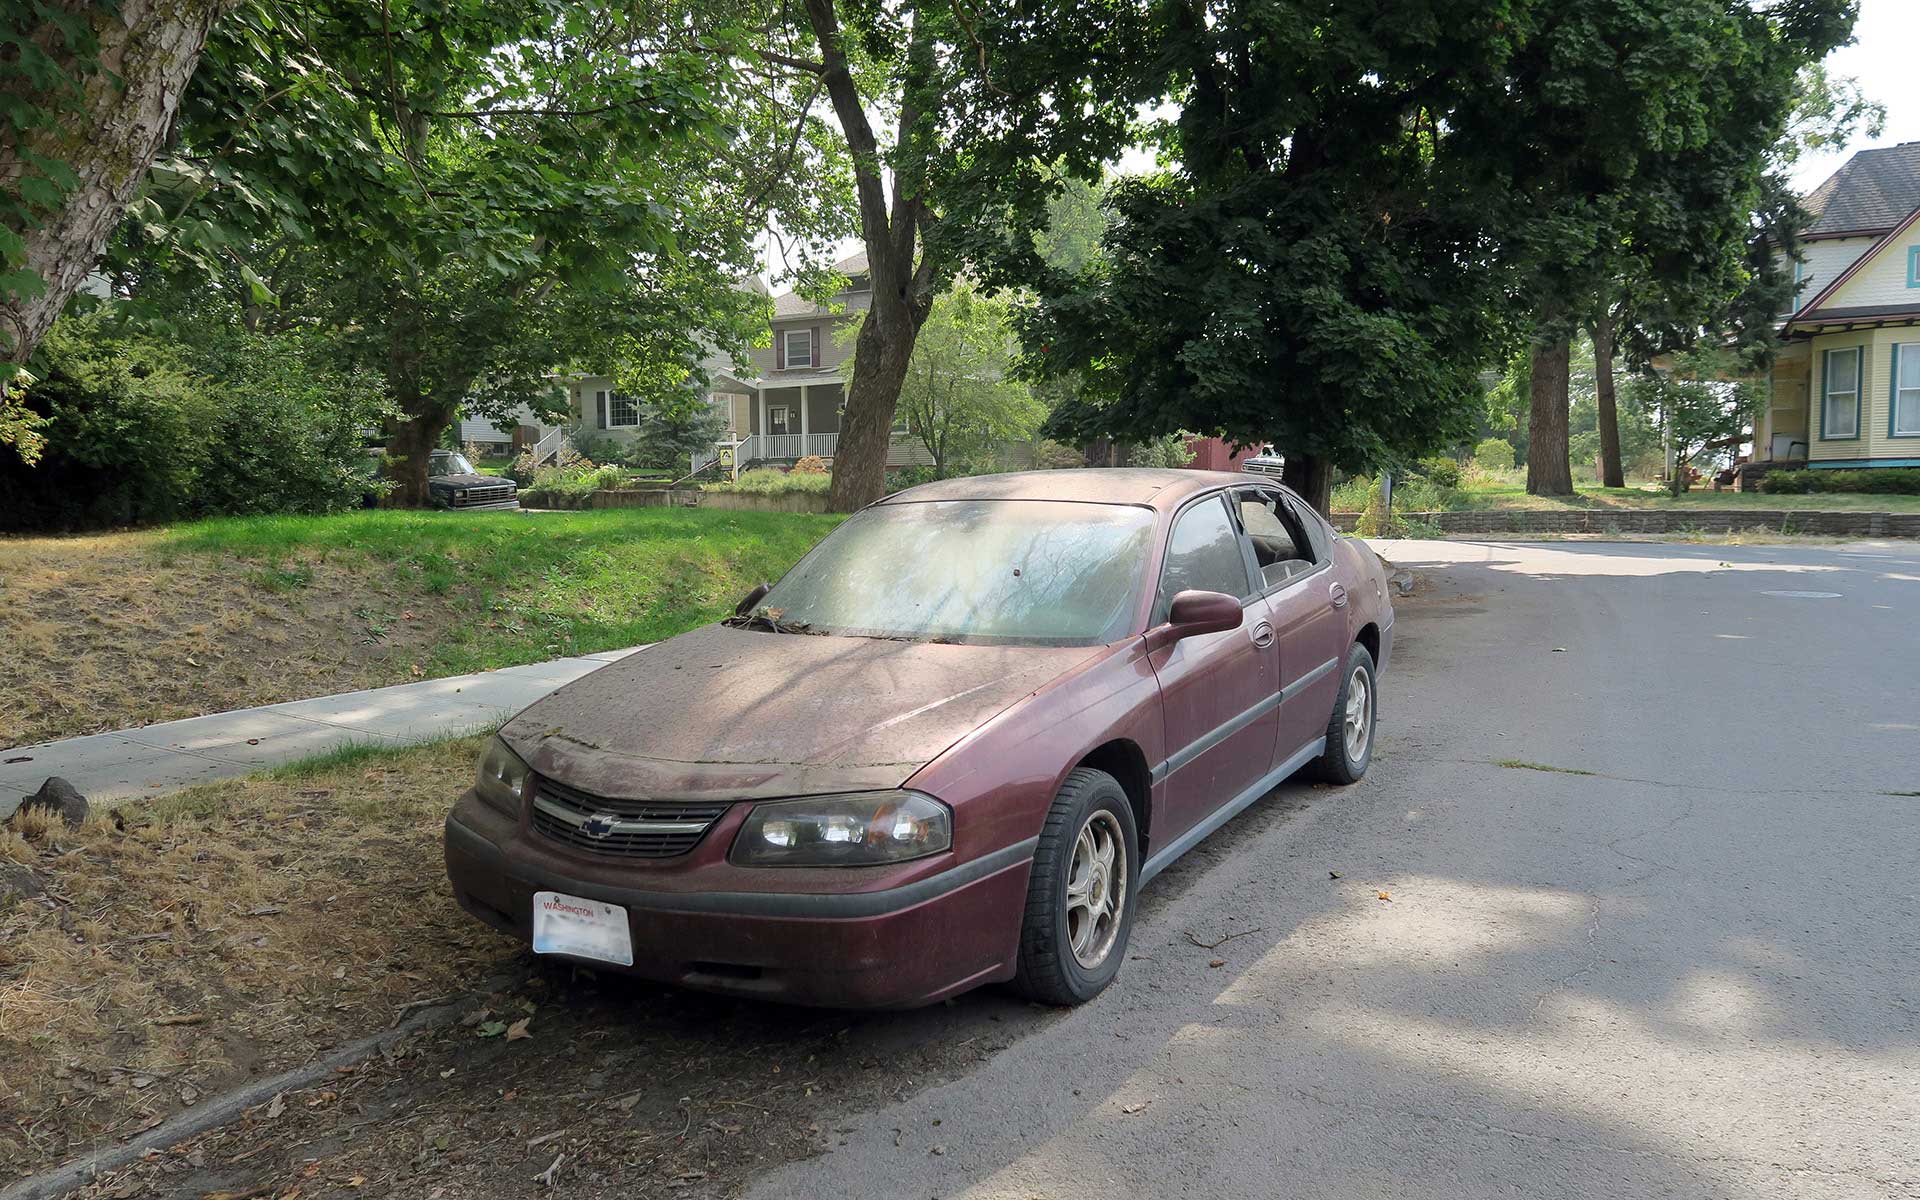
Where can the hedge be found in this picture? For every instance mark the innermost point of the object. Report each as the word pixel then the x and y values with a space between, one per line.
pixel 1886 481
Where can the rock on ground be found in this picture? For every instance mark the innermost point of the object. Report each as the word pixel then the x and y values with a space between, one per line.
pixel 60 798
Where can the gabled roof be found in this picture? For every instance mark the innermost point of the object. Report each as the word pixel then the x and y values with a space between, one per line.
pixel 792 304
pixel 1814 309
pixel 1869 194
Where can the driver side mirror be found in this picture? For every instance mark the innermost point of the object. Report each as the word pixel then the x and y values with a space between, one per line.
pixel 750 599
pixel 1192 614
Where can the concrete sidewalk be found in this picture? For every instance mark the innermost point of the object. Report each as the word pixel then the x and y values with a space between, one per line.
pixel 131 763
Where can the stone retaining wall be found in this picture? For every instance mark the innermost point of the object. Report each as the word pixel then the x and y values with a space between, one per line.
pixel 790 502
pixel 1663 520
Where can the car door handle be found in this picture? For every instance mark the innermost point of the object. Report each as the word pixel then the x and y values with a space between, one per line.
pixel 1262 634
pixel 1338 594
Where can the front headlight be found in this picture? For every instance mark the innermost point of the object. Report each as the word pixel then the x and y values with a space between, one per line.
pixel 858 829
pixel 503 777
pixel 459 494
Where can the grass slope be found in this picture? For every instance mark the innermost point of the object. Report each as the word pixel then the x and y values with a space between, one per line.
pixel 111 631
pixel 179 946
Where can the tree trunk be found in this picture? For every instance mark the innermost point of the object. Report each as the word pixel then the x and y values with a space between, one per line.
pixel 881 359
pixel 411 441
pixel 1611 474
pixel 903 281
pixel 1549 472
pixel 123 116
pixel 1311 477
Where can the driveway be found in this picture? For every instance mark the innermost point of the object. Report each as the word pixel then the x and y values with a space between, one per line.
pixel 1694 971
pixel 1671 948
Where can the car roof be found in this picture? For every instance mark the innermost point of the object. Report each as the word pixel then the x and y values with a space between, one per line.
pixel 1150 487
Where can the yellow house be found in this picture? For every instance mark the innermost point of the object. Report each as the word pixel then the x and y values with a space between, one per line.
pixel 1845 388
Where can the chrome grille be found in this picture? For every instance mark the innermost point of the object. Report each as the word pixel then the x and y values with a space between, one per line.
pixel 487 494
pixel 627 828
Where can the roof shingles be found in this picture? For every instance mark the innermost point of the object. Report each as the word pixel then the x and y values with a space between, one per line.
pixel 1871 193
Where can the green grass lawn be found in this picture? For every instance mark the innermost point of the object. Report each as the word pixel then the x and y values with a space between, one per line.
pixel 535 585
pixel 112 630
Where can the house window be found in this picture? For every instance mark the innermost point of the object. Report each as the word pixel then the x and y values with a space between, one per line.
pixel 1905 421
pixel 777 419
pixel 1799 286
pixel 622 412
pixel 799 348
pixel 1913 266
pixel 1840 410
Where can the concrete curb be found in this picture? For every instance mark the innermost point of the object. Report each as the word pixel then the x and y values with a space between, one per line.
pixel 223 1109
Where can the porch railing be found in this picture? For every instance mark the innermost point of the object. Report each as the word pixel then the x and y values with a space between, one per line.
pixel 549 446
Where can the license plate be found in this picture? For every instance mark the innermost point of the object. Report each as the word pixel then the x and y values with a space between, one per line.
pixel 564 924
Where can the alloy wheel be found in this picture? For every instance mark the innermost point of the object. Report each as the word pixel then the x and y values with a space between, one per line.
pixel 1358 727
pixel 1096 889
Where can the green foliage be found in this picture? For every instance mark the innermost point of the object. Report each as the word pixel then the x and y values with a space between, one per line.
pixel 1050 455
pixel 142 430
pixel 1493 454
pixel 768 481
pixel 671 432
pixel 960 398
pixel 1693 408
pixel 1440 471
pixel 124 435
pixel 1168 451
pixel 1882 481
pixel 580 478
pixel 285 433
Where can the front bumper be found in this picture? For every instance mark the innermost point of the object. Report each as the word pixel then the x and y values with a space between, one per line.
pixel 496 506
pixel 899 947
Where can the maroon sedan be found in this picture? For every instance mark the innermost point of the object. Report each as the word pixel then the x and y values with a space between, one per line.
pixel 946 749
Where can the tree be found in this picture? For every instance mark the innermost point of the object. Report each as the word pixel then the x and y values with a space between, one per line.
pixel 960 397
pixel 1309 270
pixel 479 195
pixel 670 433
pixel 1636 134
pixel 86 101
pixel 1697 410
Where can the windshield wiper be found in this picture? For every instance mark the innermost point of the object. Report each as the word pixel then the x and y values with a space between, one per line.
pixel 760 620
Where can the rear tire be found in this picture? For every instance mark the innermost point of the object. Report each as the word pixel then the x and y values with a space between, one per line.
pixel 1080 892
pixel 1351 726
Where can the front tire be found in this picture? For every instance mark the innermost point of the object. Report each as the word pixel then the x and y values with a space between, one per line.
pixel 1080 892
pixel 1350 728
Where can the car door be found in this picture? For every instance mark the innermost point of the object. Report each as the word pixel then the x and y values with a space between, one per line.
pixel 1307 606
pixel 1217 690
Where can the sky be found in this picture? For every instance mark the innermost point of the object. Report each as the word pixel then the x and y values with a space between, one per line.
pixel 1880 58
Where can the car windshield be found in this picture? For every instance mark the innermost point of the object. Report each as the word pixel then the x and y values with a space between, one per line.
pixel 1006 571
pixel 450 462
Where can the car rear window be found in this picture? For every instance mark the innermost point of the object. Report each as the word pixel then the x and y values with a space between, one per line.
pixel 1043 572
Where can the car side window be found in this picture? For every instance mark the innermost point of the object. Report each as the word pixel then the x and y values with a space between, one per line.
pixel 1317 530
pixel 1282 548
pixel 1203 553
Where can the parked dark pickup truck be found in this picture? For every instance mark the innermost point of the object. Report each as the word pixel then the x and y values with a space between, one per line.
pixel 453 483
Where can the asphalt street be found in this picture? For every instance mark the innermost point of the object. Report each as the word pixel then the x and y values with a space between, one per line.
pixel 1629 906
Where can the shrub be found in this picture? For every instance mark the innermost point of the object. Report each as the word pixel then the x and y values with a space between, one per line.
pixel 285 433
pixel 770 481
pixel 1440 470
pixel 1050 455
pixel 907 477
pixel 124 440
pixel 1411 493
pixel 1168 451
pixel 812 464
pixel 580 478
pixel 1494 454
pixel 1884 481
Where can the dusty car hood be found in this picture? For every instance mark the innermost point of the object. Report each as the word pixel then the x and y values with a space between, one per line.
pixel 756 714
